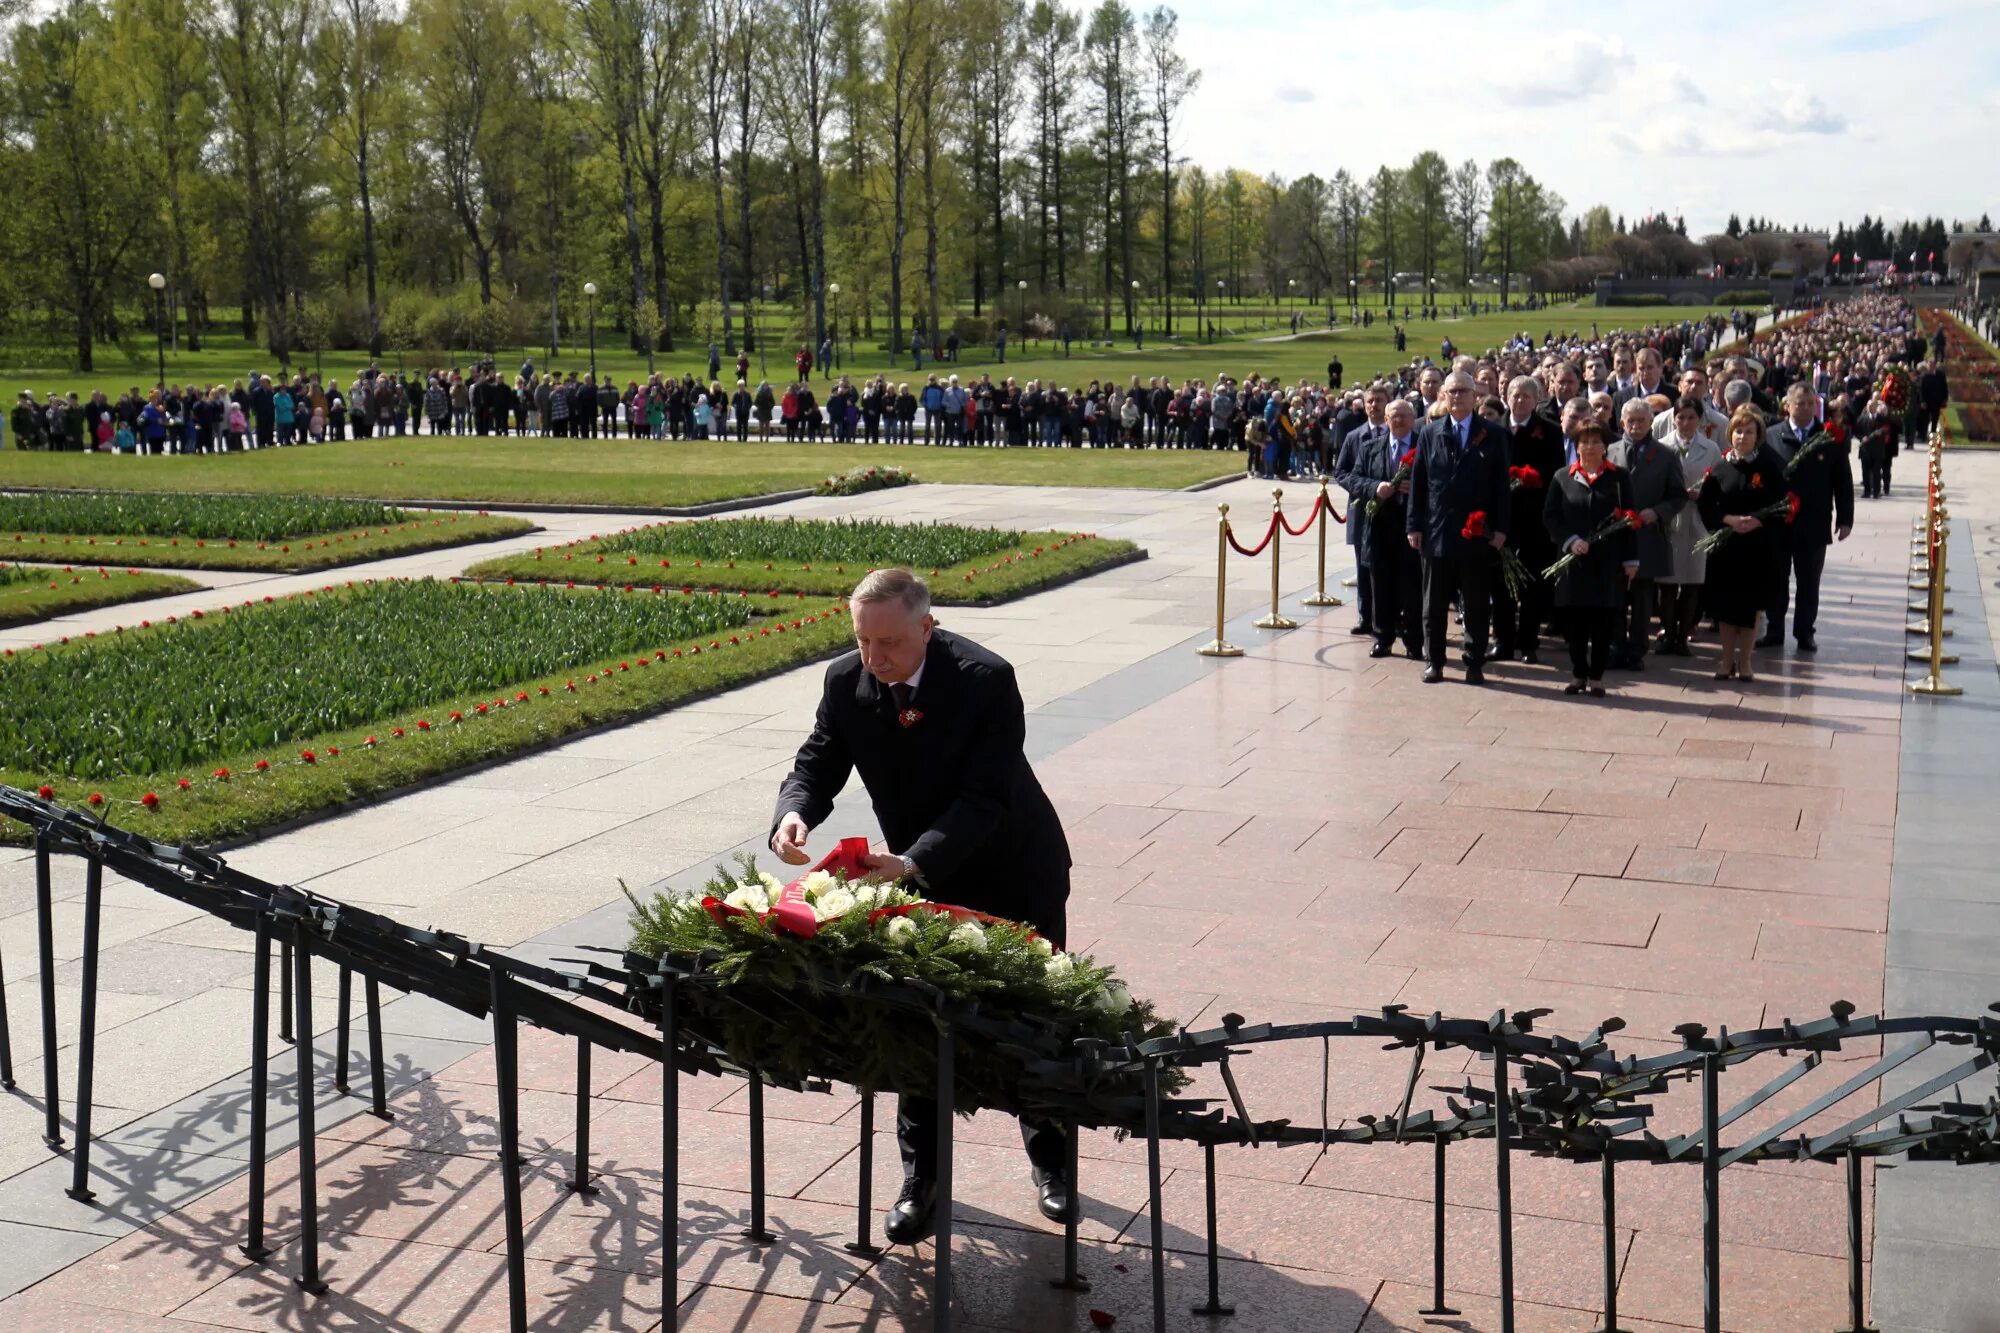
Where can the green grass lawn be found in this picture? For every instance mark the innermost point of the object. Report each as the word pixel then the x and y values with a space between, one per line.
pixel 29 593
pixel 641 474
pixel 974 566
pixel 344 697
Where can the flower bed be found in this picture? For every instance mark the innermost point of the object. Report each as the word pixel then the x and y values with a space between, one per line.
pixel 792 1000
pixel 277 532
pixel 827 556
pixel 1973 372
pixel 249 518
pixel 222 722
pixel 864 480
pixel 35 592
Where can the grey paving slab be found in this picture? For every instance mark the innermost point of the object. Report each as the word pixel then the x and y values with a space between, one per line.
pixel 1937 1227
pixel 30 1253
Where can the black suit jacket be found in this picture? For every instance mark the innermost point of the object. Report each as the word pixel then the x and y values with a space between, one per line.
pixel 1447 487
pixel 953 791
pixel 1824 483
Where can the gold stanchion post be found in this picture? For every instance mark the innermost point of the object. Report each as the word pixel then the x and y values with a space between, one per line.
pixel 1933 623
pixel 1321 598
pixel 1275 620
pixel 1933 682
pixel 1219 646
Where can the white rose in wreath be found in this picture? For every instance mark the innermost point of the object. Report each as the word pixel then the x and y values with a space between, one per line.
pixel 1060 967
pixel 749 898
pixel 1114 998
pixel 969 933
pixel 833 903
pixel 867 896
pixel 1041 945
pixel 900 930
pixel 818 882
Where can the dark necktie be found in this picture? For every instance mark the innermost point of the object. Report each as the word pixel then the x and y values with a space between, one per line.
pixel 901 692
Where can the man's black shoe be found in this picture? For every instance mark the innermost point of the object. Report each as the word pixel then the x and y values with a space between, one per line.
pixel 910 1217
pixel 1808 645
pixel 1475 675
pixel 1531 657
pixel 1771 641
pixel 1500 655
pixel 1053 1195
pixel 1433 674
pixel 1360 629
pixel 1414 653
pixel 1380 650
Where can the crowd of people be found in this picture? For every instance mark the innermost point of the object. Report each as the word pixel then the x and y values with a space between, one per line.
pixel 1658 503
pixel 1532 447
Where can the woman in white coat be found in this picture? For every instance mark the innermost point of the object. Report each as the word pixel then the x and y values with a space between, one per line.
pixel 1680 590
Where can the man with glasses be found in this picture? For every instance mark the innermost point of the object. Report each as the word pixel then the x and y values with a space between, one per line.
pixel 1460 471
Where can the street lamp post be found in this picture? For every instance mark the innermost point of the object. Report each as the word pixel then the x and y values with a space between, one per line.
pixel 590 295
pixel 1139 318
pixel 833 290
pixel 1021 313
pixel 158 282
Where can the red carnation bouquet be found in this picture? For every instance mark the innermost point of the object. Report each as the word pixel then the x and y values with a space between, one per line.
pixel 1405 466
pixel 1617 523
pixel 1786 509
pixel 1523 478
pixel 1511 567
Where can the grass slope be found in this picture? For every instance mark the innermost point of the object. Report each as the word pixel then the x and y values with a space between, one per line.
pixel 982 566
pixel 30 593
pixel 303 554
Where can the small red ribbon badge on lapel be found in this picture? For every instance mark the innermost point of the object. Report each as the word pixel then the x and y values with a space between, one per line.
pixel 909 717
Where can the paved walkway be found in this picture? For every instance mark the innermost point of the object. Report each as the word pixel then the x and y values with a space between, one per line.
pixel 1300 833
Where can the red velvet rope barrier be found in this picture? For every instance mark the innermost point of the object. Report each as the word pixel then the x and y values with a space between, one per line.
pixel 1258 549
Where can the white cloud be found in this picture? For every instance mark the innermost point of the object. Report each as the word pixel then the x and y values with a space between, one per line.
pixel 1580 65
pixel 1674 86
pixel 1296 94
pixel 1799 110
pixel 1603 121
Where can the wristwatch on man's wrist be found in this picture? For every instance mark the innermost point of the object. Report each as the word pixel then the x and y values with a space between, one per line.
pixel 910 871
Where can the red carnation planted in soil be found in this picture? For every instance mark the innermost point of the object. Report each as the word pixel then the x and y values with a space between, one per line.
pixel 308 756
pixel 45 792
pixel 423 724
pixel 222 775
pixel 183 783
pixel 150 801
pixel 263 765
pixel 97 798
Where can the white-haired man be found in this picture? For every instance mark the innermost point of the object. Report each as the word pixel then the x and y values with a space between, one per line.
pixel 1458 518
pixel 934 723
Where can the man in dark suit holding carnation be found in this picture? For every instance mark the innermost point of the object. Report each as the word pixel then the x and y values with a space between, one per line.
pixel 935 725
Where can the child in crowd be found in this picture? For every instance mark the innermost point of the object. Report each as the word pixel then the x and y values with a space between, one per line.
pixel 124 441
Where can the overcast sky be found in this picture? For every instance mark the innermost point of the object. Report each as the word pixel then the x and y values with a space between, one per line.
pixel 1809 113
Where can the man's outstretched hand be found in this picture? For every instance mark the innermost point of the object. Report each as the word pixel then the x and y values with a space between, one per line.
pixel 789 842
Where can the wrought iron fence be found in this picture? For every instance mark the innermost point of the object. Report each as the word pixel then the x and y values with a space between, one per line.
pixel 1571 1099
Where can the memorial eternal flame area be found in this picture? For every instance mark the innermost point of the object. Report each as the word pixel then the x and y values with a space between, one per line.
pixel 1499 1008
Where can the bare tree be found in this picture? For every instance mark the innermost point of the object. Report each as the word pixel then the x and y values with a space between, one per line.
pixel 1051 43
pixel 360 58
pixel 722 29
pixel 1173 80
pixel 992 75
pixel 1468 206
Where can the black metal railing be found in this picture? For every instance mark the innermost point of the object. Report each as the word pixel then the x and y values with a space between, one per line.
pixel 1550 1095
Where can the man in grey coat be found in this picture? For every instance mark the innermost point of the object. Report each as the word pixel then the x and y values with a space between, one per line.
pixel 1657 494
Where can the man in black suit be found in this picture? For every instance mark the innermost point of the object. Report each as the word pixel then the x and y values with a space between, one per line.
pixel 1534 439
pixel 1461 469
pixel 1344 475
pixel 1824 484
pixel 1370 462
pixel 1933 392
pixel 935 725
